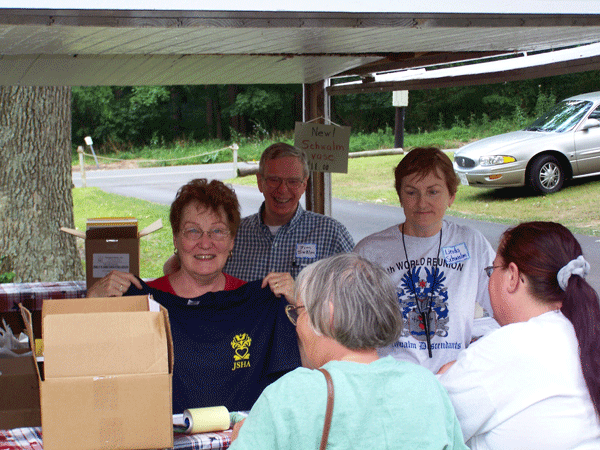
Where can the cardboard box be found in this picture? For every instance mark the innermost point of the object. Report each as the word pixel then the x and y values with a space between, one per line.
pixel 107 379
pixel 19 393
pixel 112 243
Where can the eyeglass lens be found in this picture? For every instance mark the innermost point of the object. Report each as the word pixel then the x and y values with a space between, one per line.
pixel 194 234
pixel 292 313
pixel 291 183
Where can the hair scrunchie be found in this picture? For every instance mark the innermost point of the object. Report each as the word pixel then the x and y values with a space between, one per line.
pixel 579 267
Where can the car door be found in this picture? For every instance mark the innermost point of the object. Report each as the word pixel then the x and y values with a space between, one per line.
pixel 587 147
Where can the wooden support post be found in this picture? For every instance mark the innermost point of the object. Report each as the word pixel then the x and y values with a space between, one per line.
pixel 399 128
pixel 318 198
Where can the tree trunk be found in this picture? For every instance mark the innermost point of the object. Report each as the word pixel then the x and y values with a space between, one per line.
pixel 35 185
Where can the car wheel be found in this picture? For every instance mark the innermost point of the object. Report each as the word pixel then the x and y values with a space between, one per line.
pixel 546 175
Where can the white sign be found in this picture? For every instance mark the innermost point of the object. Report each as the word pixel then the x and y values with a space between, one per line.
pixel 400 99
pixel 326 146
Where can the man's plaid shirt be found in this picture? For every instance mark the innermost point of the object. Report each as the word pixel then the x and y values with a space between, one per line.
pixel 306 238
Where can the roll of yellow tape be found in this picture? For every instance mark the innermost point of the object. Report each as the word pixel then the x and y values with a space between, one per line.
pixel 203 420
pixel 39 347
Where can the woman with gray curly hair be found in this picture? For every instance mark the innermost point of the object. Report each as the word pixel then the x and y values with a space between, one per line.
pixel 345 308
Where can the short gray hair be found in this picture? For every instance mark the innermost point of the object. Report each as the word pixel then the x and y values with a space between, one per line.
pixel 281 150
pixel 365 303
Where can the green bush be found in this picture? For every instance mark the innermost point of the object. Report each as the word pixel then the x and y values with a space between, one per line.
pixel 7 277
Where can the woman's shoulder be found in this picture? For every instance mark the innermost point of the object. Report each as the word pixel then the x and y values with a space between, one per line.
pixel 162 284
pixel 511 341
pixel 461 229
pixel 390 233
pixel 384 370
pixel 409 370
pixel 300 379
pixel 232 283
pixel 465 233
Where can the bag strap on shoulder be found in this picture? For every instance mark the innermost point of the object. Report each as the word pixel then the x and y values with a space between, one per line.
pixel 328 411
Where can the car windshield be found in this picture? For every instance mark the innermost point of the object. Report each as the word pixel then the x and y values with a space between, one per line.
pixel 562 117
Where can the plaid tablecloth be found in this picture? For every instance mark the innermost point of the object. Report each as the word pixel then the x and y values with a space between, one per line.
pixel 21 438
pixel 31 439
pixel 33 294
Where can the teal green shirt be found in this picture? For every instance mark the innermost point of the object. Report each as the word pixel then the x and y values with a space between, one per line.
pixel 387 404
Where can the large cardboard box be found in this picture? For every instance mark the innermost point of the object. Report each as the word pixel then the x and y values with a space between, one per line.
pixel 19 393
pixel 112 243
pixel 107 378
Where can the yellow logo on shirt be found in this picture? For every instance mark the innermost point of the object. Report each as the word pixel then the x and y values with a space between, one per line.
pixel 241 355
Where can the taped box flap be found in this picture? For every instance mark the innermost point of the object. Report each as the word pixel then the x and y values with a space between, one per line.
pixel 151 228
pixel 79 234
pixel 105 343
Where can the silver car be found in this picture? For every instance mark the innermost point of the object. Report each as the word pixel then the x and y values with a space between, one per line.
pixel 564 143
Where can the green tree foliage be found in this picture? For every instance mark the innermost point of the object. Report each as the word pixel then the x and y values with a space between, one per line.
pixel 120 117
pixel 269 108
pixel 363 112
pixel 124 117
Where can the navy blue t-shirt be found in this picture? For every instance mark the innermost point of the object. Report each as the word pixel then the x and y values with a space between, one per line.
pixel 228 345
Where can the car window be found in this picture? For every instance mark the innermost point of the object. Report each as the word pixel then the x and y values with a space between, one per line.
pixel 562 117
pixel 595 114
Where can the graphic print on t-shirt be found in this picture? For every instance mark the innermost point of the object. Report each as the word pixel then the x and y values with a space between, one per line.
pixel 423 290
pixel 241 355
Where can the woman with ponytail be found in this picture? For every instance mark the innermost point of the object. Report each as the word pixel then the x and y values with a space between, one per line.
pixel 535 382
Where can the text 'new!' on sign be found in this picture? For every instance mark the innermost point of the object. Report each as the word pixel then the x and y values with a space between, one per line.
pixel 326 146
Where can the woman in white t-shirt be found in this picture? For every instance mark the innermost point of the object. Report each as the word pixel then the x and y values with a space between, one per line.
pixel 436 264
pixel 535 382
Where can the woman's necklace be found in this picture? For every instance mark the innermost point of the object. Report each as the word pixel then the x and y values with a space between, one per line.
pixel 423 309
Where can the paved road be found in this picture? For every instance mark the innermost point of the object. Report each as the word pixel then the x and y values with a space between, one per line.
pixel 160 184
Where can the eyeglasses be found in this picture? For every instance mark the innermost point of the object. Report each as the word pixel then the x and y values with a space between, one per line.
pixel 490 269
pixel 292 313
pixel 195 234
pixel 291 183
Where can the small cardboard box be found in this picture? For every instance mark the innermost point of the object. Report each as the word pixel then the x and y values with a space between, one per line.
pixel 19 393
pixel 107 378
pixel 112 243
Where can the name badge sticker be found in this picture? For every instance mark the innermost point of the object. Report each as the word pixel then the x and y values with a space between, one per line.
pixel 306 251
pixel 456 253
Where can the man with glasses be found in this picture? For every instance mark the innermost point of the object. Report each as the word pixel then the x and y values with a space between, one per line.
pixel 282 236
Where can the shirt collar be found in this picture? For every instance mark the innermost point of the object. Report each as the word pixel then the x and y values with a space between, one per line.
pixel 295 219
